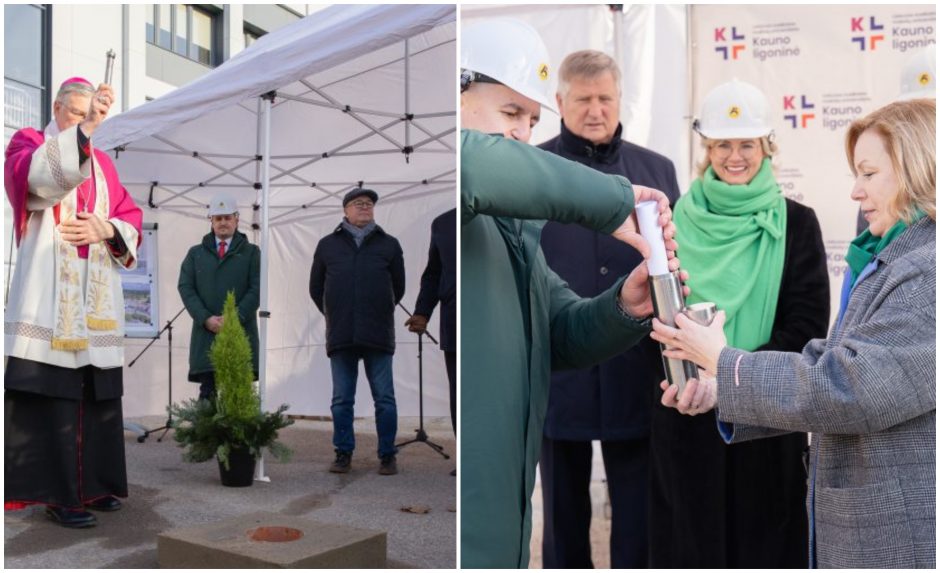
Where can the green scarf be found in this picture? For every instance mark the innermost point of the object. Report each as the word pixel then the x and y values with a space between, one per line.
pixel 732 240
pixel 866 246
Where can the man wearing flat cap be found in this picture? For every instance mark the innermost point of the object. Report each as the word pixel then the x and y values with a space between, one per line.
pixel 224 261
pixel 358 277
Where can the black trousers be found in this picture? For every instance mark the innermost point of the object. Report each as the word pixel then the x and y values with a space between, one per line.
pixel 565 469
pixel 206 381
pixel 450 360
pixel 63 450
pixel 719 506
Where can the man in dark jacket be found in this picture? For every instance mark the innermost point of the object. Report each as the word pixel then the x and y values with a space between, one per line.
pixel 439 284
pixel 358 277
pixel 224 261
pixel 611 401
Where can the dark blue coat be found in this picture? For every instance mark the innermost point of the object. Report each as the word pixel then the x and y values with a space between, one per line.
pixel 357 288
pixel 439 281
pixel 611 400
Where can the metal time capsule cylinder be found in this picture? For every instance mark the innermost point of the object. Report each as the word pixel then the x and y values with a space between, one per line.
pixel 666 289
pixel 667 303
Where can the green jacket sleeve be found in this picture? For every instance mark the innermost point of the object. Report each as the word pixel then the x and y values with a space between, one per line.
pixel 187 289
pixel 586 331
pixel 251 300
pixel 504 178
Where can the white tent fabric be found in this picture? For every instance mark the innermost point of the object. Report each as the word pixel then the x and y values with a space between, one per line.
pixel 364 95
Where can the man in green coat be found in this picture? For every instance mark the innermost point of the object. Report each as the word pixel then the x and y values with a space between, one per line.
pixel 519 319
pixel 224 261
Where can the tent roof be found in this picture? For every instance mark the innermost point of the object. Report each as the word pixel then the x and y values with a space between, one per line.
pixel 363 94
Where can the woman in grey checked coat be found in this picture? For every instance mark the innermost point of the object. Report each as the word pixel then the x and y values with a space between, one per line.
pixel 868 392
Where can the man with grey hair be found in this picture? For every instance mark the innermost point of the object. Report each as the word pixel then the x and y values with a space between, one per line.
pixel 611 401
pixel 75 226
pixel 357 278
pixel 224 261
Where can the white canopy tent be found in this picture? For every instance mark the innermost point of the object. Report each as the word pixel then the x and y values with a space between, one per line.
pixel 349 96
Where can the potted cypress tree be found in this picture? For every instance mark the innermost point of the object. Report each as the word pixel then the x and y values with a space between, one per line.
pixel 231 427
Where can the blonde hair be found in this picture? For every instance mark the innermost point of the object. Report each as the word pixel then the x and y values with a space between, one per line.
pixel 908 131
pixel 586 64
pixel 770 150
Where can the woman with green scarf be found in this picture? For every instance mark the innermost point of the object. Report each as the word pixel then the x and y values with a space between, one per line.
pixel 868 392
pixel 760 258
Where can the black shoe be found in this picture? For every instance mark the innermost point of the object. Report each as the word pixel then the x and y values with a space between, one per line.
pixel 70 517
pixel 453 472
pixel 107 503
pixel 342 464
pixel 388 466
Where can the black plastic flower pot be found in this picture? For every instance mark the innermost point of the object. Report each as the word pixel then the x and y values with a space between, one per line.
pixel 241 472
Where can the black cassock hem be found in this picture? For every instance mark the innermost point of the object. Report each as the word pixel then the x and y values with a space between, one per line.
pixel 62 450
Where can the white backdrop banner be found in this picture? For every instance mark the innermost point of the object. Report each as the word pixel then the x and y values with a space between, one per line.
pixel 821 67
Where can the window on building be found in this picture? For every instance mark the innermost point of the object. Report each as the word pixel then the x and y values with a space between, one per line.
pixel 185 29
pixel 200 46
pixel 250 38
pixel 163 14
pixel 26 67
pixel 180 26
pixel 26 100
pixel 252 33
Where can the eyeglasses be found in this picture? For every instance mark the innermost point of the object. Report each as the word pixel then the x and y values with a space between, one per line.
pixel 362 204
pixel 746 149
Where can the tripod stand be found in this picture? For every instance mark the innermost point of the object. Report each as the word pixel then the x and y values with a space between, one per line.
pixel 421 435
pixel 169 419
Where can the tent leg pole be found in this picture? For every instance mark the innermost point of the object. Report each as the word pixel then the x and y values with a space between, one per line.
pixel 264 313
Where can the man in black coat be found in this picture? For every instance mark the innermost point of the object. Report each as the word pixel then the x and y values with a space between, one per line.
pixel 358 277
pixel 611 401
pixel 439 284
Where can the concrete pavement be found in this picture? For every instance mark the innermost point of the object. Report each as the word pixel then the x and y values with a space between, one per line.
pixel 166 493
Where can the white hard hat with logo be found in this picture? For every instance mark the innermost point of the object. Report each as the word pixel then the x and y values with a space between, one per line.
pixel 223 204
pixel 919 76
pixel 510 52
pixel 734 110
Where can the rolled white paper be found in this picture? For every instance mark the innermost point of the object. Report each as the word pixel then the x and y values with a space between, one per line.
pixel 647 213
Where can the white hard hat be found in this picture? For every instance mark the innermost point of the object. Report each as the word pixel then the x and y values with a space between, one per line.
pixel 919 76
pixel 734 110
pixel 223 204
pixel 510 52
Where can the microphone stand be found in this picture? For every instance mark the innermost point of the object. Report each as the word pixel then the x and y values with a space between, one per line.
pixel 421 435
pixel 169 420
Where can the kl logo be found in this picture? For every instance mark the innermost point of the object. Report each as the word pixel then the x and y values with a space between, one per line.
pixel 873 39
pixel 721 36
pixel 801 116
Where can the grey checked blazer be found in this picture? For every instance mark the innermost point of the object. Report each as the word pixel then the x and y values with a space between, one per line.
pixel 868 394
